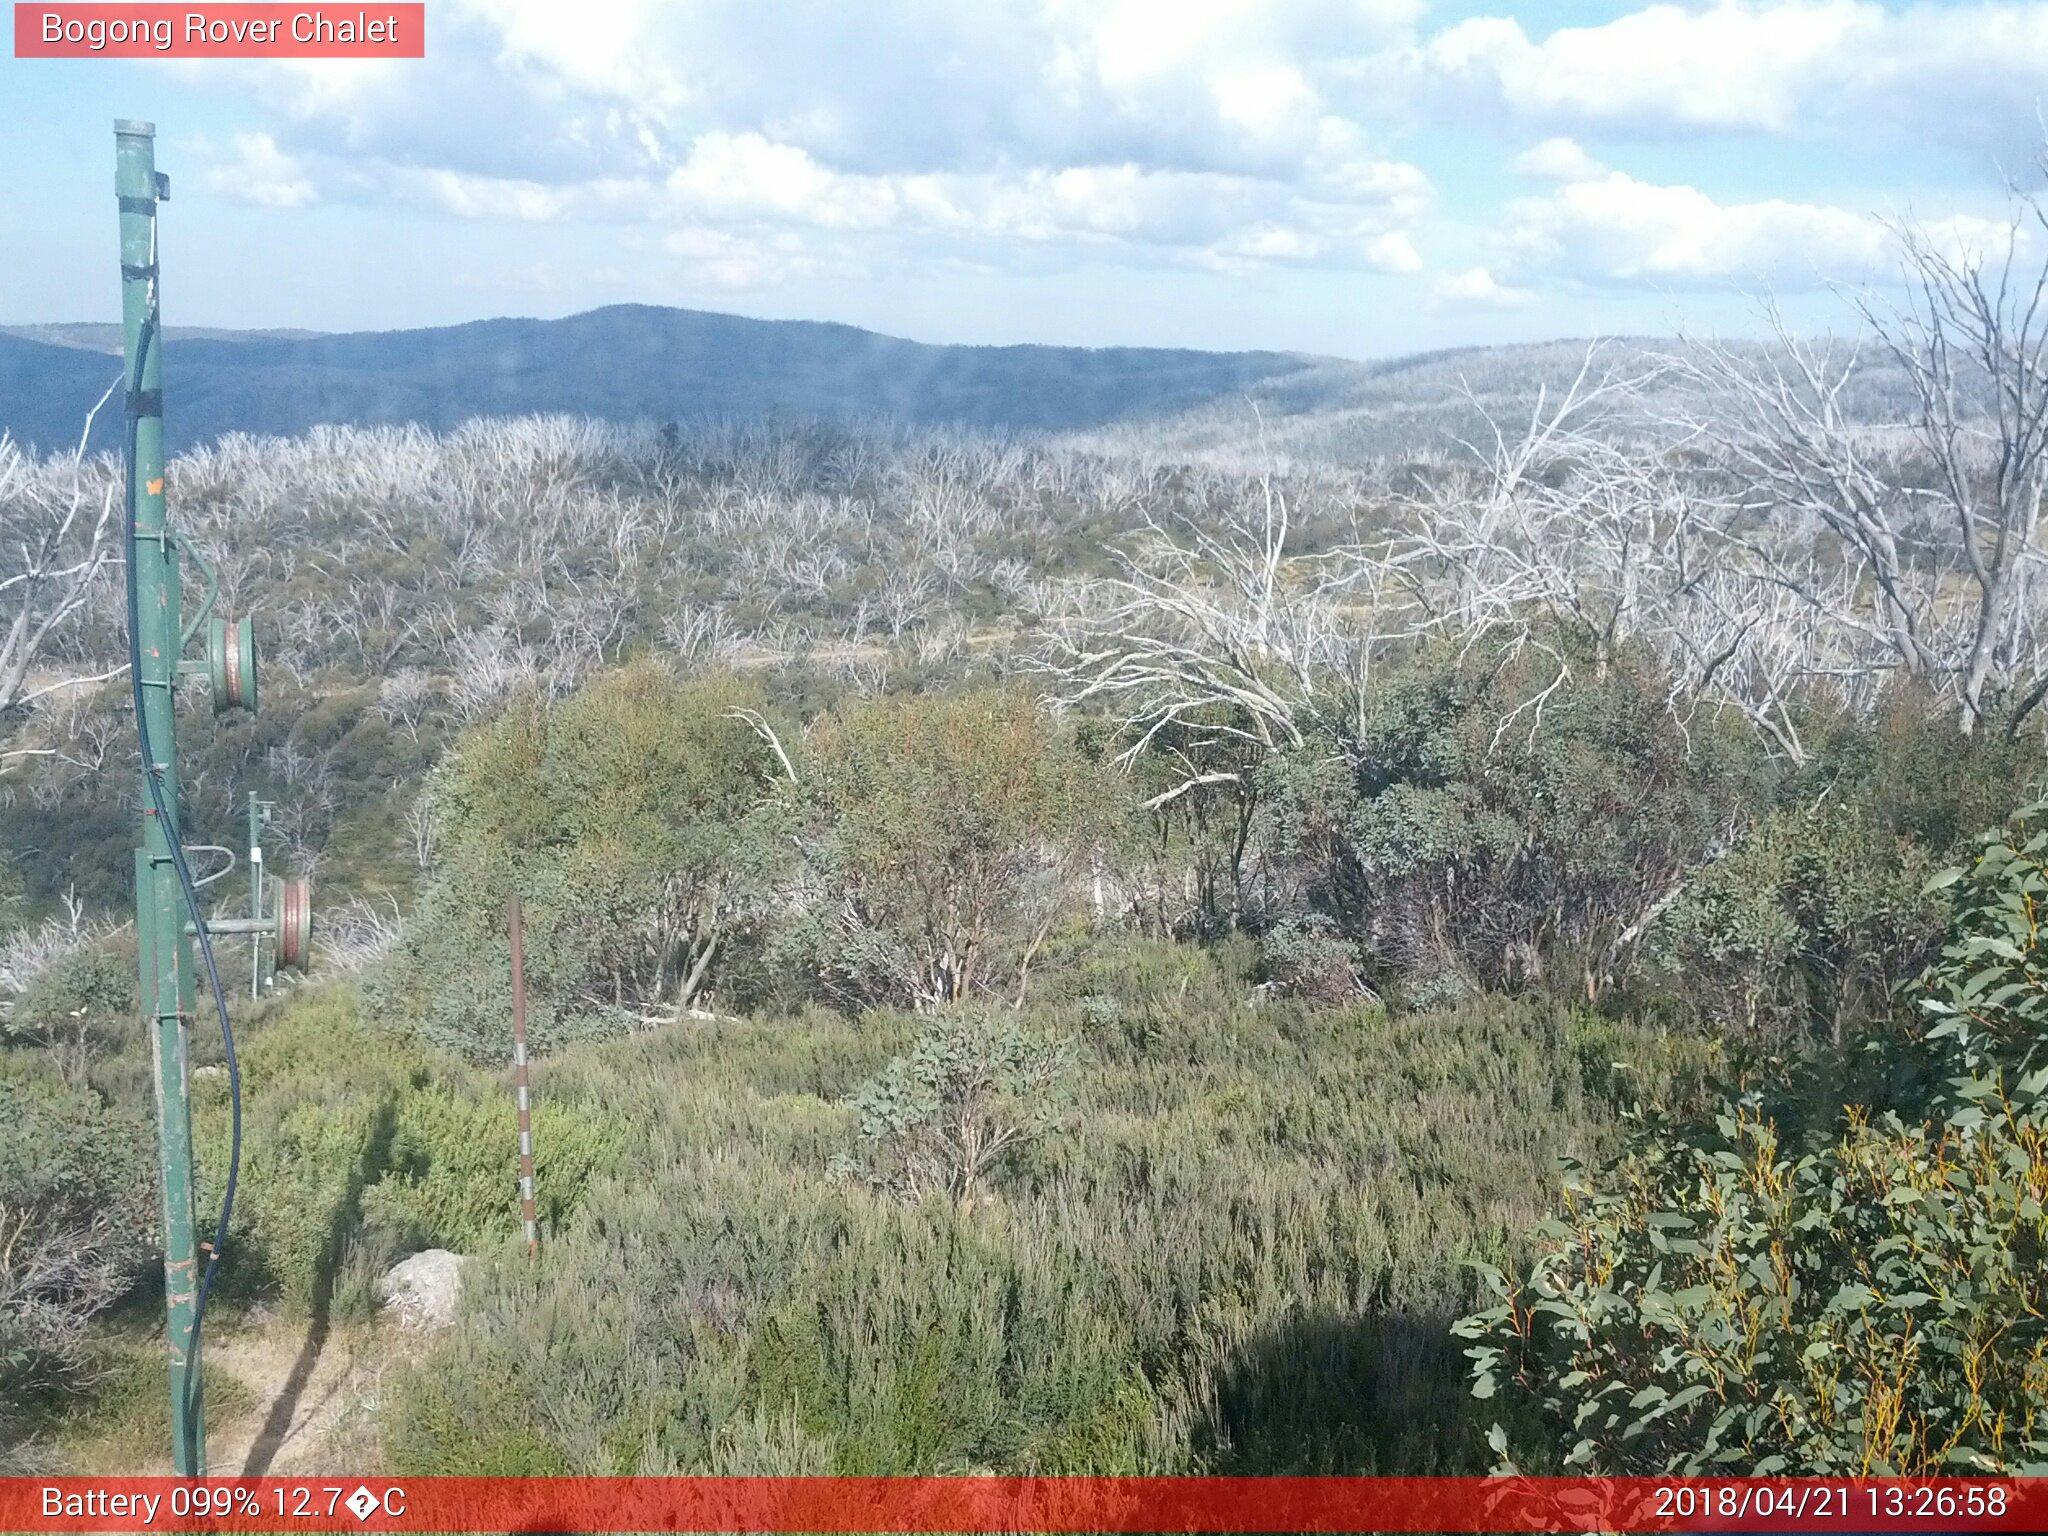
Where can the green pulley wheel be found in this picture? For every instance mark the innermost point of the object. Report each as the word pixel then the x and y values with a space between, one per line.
pixel 231 663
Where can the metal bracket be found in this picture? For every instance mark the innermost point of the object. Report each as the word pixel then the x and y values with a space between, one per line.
pixel 228 854
pixel 185 546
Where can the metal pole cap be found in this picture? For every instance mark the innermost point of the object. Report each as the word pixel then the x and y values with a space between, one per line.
pixel 129 127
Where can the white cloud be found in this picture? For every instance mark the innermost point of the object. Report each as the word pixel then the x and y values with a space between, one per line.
pixel 1263 99
pixel 1966 73
pixel 1192 130
pixel 1476 287
pixel 1557 160
pixel 1729 65
pixel 1393 252
pixel 749 176
pixel 902 85
pixel 601 48
pixel 737 261
pixel 1238 134
pixel 754 189
pixel 483 197
pixel 258 172
pixel 1618 230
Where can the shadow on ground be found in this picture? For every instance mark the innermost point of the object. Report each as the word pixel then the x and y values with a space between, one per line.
pixel 277 1421
pixel 1380 1393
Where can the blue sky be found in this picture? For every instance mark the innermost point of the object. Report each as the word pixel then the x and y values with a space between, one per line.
pixel 1361 177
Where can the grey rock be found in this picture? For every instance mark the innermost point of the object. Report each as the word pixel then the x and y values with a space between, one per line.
pixel 421 1292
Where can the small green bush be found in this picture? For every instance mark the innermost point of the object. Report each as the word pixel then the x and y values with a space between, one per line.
pixel 454 1163
pixel 974 1091
pixel 78 1009
pixel 75 1228
pixel 1133 998
pixel 1488 831
pixel 320 1095
pixel 470 1420
pixel 1803 932
pixel 90 982
pixel 948 838
pixel 1308 957
pixel 636 821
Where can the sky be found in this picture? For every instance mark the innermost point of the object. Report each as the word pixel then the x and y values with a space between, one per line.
pixel 1364 178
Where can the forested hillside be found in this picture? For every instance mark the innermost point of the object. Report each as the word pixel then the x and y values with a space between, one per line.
pixel 1087 953
pixel 627 363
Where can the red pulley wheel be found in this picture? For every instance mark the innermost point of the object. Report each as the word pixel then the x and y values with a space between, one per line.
pixel 294 924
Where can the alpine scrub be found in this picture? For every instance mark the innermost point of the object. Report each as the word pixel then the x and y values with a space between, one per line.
pixel 1861 1296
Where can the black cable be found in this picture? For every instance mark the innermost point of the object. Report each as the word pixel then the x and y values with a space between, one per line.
pixel 152 775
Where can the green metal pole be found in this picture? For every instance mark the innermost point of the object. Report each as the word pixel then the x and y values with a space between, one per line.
pixel 168 983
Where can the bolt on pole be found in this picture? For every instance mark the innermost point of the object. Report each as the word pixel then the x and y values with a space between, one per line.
pixel 168 982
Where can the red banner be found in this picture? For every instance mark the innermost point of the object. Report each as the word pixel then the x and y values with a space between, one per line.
pixel 238 31
pixel 975 1504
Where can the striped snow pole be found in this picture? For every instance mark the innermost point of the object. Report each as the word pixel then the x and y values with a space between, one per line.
pixel 523 1083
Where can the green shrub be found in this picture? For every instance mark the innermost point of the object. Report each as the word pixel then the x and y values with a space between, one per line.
pixel 89 982
pixel 1803 932
pixel 1862 1296
pixel 359 1147
pixel 320 1095
pixel 78 1009
pixel 75 1228
pixel 1132 998
pixel 454 1163
pixel 974 1091
pixel 1799 937
pixel 948 837
pixel 1308 957
pixel 465 1419
pixel 635 821
pixel 1488 831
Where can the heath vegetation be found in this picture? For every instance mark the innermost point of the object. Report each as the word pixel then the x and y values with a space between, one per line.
pixel 1087 954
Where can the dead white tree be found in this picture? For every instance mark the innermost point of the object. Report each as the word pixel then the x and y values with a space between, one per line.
pixel 1569 537
pixel 57 523
pixel 358 933
pixel 1778 423
pixel 1580 536
pixel 1937 513
pixel 404 698
pixel 1228 629
pixel 1585 530
pixel 1973 340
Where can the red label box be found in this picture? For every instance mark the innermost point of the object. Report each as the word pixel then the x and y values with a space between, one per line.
pixel 112 31
pixel 385 1506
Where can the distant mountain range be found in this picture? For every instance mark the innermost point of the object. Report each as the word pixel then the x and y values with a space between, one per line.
pixel 623 363
pixel 105 336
